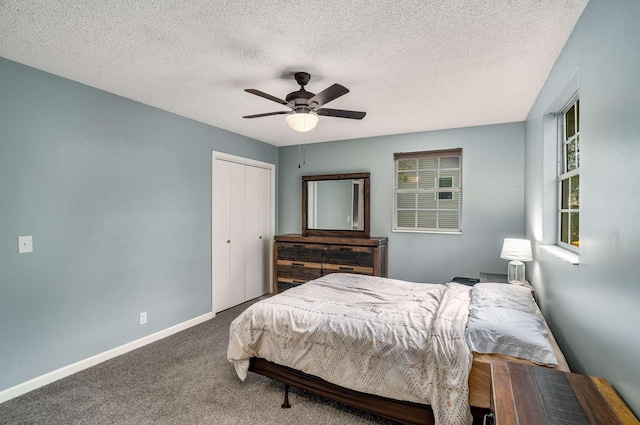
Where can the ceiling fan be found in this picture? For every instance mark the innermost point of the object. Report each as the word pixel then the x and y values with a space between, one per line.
pixel 306 106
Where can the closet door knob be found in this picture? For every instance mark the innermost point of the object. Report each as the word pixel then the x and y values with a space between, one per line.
pixel 229 241
pixel 260 237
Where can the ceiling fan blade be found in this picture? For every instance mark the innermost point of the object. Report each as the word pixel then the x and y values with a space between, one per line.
pixel 268 96
pixel 267 114
pixel 341 113
pixel 327 95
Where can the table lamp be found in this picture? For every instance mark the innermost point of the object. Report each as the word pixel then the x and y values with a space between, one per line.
pixel 517 251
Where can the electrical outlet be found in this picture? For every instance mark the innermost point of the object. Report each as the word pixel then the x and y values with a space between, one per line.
pixel 143 317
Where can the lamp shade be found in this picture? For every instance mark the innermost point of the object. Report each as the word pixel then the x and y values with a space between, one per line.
pixel 516 250
pixel 302 121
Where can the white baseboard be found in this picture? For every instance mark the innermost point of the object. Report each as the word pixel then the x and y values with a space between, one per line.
pixel 65 371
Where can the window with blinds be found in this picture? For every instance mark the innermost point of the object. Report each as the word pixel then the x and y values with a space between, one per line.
pixel 569 176
pixel 428 191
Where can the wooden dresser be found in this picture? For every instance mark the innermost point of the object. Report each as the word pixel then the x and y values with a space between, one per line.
pixel 299 259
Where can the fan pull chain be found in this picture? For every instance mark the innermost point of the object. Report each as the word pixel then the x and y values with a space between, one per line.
pixel 301 155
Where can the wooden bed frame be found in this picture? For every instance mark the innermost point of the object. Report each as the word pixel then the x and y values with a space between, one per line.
pixel 402 411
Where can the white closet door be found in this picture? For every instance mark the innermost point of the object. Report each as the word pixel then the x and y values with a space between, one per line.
pixel 255 235
pixel 241 232
pixel 265 228
pixel 221 235
pixel 238 238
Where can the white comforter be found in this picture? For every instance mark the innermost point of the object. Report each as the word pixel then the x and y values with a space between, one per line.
pixel 387 337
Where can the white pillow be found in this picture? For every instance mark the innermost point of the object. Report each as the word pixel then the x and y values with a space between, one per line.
pixel 516 297
pixel 504 319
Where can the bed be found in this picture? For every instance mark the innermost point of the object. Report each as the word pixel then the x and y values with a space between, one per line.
pixel 413 352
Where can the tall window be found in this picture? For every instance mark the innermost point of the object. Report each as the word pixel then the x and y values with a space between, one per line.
pixel 428 191
pixel 569 176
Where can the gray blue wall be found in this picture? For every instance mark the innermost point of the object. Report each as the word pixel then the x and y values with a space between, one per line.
pixel 117 196
pixel 493 196
pixel 594 308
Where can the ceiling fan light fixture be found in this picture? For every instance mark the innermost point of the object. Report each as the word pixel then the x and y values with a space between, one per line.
pixel 306 106
pixel 302 121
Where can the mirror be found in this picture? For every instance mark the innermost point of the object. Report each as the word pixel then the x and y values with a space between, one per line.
pixel 335 205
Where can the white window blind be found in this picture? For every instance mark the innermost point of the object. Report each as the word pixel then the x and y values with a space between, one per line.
pixel 428 191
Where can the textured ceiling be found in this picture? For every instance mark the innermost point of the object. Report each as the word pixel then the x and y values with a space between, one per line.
pixel 412 65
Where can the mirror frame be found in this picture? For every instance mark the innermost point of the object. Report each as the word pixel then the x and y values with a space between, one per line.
pixel 344 233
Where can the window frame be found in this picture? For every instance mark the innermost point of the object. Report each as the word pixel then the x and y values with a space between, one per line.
pixel 564 175
pixel 437 190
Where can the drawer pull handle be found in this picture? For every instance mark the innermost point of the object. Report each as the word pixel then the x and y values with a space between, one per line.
pixel 298 246
pixel 346 268
pixel 298 264
pixel 298 281
pixel 346 249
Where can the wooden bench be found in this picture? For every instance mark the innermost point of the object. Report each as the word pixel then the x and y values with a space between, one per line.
pixel 523 394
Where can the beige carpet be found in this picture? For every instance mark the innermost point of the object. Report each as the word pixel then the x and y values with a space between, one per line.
pixel 183 379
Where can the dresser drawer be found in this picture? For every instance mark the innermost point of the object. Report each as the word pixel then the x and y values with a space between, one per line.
pixel 298 271
pixel 346 255
pixel 300 252
pixel 341 268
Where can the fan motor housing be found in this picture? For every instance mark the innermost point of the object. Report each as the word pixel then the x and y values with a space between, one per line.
pixel 299 97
